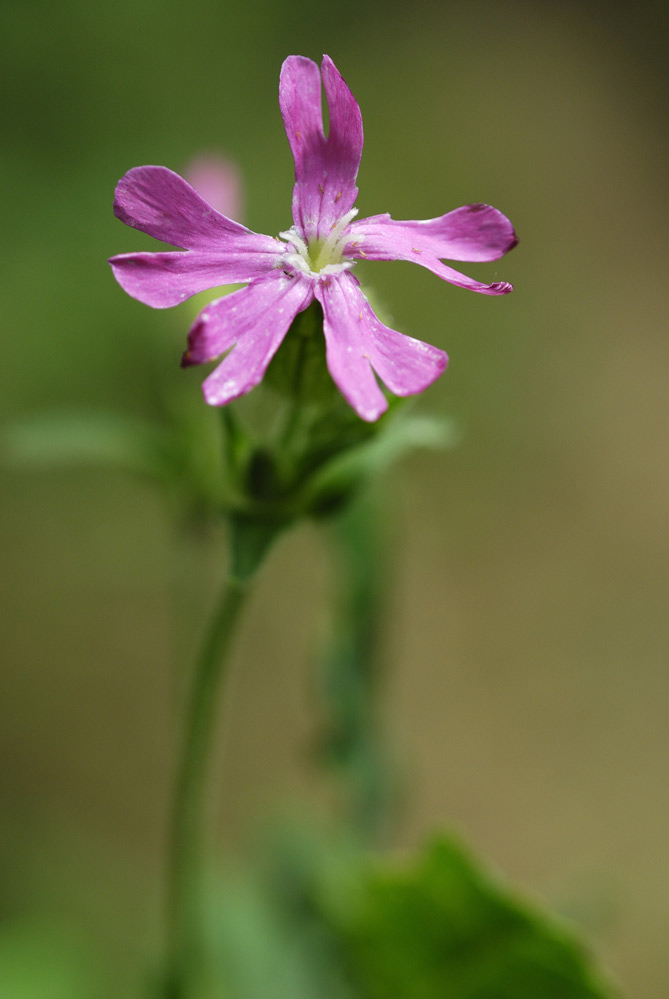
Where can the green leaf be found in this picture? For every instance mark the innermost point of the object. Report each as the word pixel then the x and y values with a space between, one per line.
pixel 317 917
pixel 58 439
pixel 44 961
pixel 262 950
pixel 446 929
pixel 182 454
pixel 348 470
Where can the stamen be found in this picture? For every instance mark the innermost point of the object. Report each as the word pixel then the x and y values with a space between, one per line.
pixel 319 257
pixel 331 245
pixel 343 265
pixel 338 227
pixel 292 236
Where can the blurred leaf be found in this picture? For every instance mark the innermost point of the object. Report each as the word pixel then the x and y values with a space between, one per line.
pixel 319 918
pixel 350 469
pixel 54 440
pixel 183 454
pixel 445 929
pixel 261 949
pixel 39 961
pixel 267 936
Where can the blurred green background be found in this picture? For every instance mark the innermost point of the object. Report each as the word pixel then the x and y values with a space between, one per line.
pixel 528 639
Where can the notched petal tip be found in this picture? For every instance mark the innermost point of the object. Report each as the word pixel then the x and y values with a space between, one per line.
pixel 201 347
pixel 361 350
pixel 131 188
pixel 440 359
pixel 328 68
pixel 326 167
pixel 296 61
pixel 491 235
pixel 370 415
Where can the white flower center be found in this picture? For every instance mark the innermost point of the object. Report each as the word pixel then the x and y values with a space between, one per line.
pixel 319 256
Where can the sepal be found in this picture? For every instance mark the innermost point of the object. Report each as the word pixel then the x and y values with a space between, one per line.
pixel 298 371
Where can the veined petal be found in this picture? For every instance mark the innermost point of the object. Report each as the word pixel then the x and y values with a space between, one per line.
pixel 357 342
pixel 159 202
pixel 325 168
pixel 473 233
pixel 345 142
pixel 255 319
pixel 165 279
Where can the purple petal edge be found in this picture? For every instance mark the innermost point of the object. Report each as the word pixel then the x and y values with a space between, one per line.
pixel 253 321
pixel 162 204
pixel 163 280
pixel 359 344
pixel 474 233
pixel 325 168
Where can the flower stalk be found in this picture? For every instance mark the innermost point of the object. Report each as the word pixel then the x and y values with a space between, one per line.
pixel 187 850
pixel 350 675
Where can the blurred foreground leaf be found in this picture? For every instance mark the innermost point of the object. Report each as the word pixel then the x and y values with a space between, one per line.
pixel 182 455
pixel 349 470
pixel 53 440
pixel 44 962
pixel 319 919
pixel 443 928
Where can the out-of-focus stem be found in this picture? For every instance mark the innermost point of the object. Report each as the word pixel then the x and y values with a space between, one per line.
pixel 185 871
pixel 249 544
pixel 351 669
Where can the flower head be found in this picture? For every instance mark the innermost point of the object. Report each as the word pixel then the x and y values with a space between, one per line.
pixel 313 259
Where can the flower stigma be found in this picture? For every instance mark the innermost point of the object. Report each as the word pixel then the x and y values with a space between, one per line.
pixel 320 256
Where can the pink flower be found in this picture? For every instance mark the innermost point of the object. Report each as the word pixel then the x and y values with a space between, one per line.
pixel 314 259
pixel 217 180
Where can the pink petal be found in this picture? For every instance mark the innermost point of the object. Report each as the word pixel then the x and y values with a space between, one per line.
pixel 159 202
pixel 325 169
pixel 357 341
pixel 474 233
pixel 256 319
pixel 165 279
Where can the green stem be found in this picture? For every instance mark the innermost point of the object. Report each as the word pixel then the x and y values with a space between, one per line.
pixel 249 543
pixel 186 849
pixel 351 674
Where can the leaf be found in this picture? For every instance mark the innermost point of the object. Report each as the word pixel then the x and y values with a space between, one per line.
pixel 44 961
pixel 446 929
pixel 348 470
pixel 183 454
pixel 59 439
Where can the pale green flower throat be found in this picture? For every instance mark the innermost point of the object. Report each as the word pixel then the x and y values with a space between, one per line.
pixel 320 256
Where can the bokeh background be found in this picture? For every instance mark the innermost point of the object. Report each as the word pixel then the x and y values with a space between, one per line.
pixel 528 636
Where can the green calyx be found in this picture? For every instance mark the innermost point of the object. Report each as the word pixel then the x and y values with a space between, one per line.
pixel 299 370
